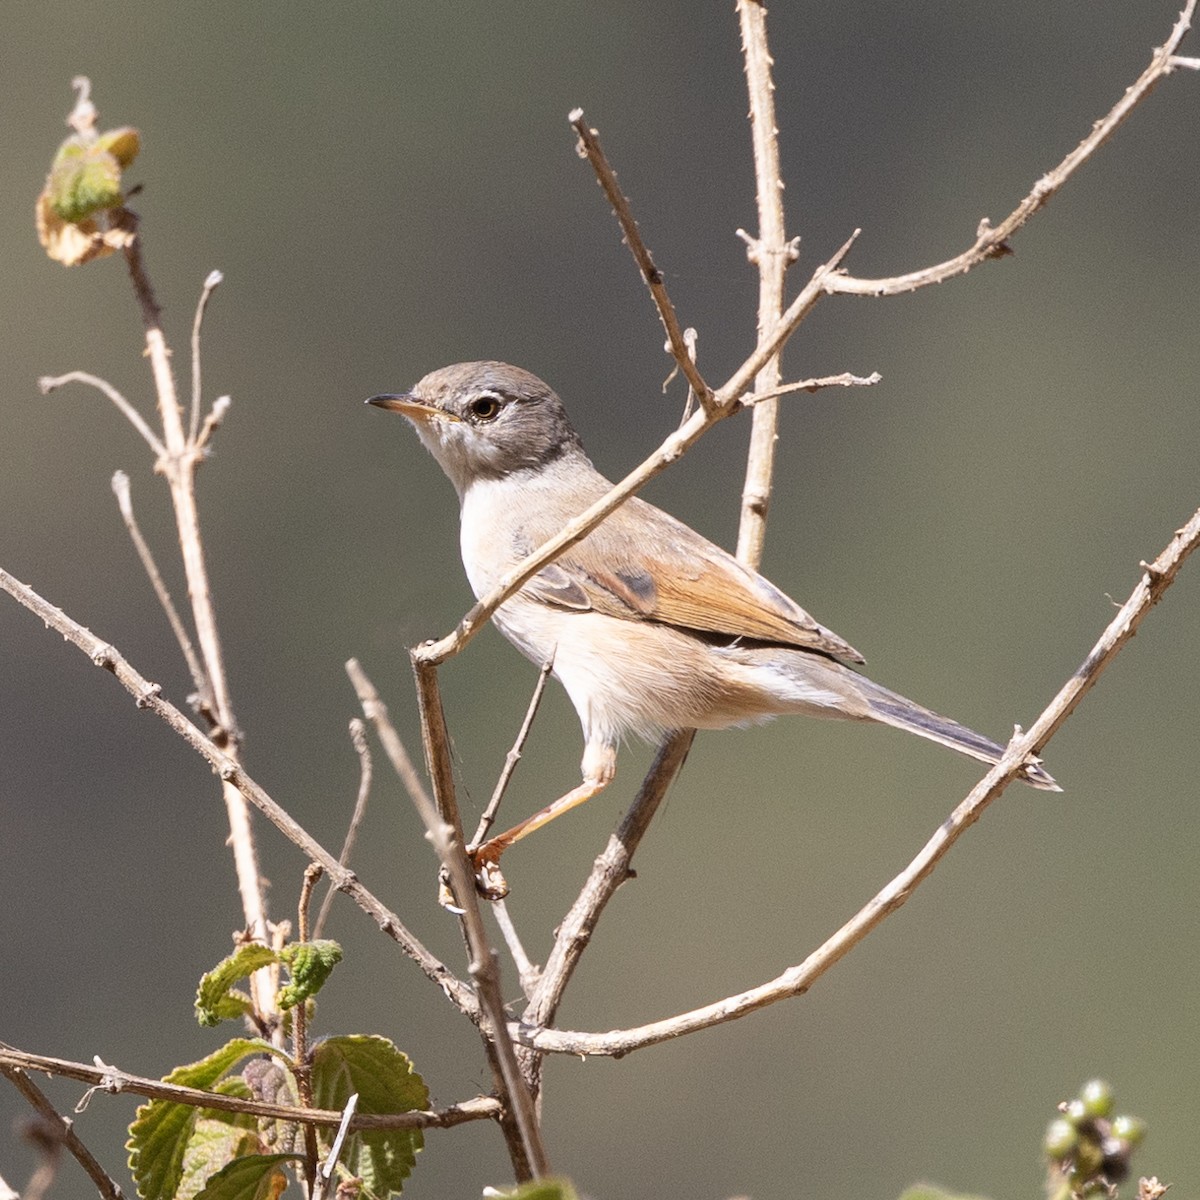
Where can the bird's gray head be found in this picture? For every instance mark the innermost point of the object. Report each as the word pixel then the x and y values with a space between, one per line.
pixel 484 420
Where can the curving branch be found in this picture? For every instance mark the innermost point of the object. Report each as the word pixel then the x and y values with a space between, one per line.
pixel 1157 577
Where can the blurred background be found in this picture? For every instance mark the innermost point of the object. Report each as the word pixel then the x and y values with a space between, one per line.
pixel 389 188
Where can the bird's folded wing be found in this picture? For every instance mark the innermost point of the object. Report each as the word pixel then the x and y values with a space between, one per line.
pixel 704 592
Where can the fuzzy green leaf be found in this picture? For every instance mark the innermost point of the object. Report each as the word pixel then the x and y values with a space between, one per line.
pixel 216 998
pixel 83 180
pixel 310 964
pixel 255 1177
pixel 385 1082
pixel 162 1130
pixel 217 1138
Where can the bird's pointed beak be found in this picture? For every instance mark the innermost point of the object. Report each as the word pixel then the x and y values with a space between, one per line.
pixel 408 405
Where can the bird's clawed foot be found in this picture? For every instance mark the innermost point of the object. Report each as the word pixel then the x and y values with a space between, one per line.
pixel 489 880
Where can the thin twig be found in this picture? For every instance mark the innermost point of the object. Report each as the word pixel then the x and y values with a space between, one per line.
pixel 121 489
pixel 324 1178
pixel 992 241
pixel 50 383
pixel 214 279
pixel 300 1058
pixel 212 422
pixel 527 972
pixel 487 820
pixel 115 1081
pixel 147 695
pixel 64 1128
pixel 845 379
pixel 376 712
pixel 1157 577
pixel 589 148
pixel 611 870
pixel 358 736
pixel 444 830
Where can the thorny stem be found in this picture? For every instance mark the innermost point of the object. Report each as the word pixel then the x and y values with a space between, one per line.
pixel 772 254
pixel 178 465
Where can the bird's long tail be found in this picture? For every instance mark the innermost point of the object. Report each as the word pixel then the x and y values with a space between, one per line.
pixel 893 709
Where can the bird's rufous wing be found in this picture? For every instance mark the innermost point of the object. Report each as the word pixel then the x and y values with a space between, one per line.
pixel 670 574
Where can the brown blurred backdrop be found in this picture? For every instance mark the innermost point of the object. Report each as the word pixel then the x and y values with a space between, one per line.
pixel 391 187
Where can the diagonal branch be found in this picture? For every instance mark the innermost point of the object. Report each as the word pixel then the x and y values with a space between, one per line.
pixel 677 341
pixel 62 1127
pixel 121 489
pixel 991 242
pixel 147 695
pixel 1157 577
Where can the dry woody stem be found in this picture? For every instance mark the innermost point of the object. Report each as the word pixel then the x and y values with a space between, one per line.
pixel 1157 577
pixel 110 1079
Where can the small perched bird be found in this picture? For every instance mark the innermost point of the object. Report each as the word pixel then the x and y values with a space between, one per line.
pixel 651 626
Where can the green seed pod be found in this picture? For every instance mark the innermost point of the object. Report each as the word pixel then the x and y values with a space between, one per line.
pixel 1061 1139
pixel 1097 1099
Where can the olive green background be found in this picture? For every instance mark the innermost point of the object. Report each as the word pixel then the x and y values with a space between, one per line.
pixel 389 187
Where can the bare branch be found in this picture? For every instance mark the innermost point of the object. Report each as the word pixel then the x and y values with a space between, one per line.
pixel 324 1180
pixel 358 736
pixel 845 379
pixel 589 148
pixel 114 1081
pixel 487 820
pixel 147 695
pixel 178 464
pixel 1158 576
pixel 212 422
pixel 51 383
pixel 611 870
pixel 444 829
pixel 121 489
pixel 214 279
pixel 376 712
pixel 992 242
pixel 63 1128
pixel 527 972
pixel 772 253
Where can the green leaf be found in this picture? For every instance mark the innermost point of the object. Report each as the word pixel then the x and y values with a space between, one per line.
pixel 255 1177
pixel 217 1138
pixel 161 1130
pixel 310 964
pixel 545 1189
pixel 83 180
pixel 216 998
pixel 385 1082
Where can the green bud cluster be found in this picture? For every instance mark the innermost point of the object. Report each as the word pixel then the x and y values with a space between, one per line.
pixel 1090 1146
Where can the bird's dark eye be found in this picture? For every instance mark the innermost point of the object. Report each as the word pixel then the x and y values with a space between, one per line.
pixel 485 407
